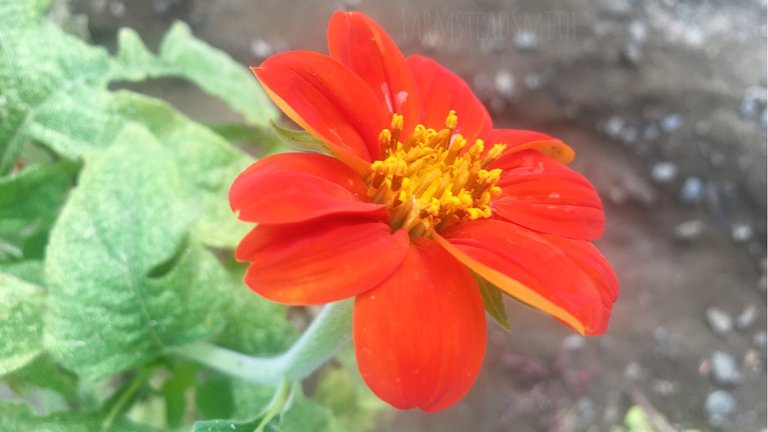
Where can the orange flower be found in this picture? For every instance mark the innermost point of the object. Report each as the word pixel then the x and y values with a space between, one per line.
pixel 421 194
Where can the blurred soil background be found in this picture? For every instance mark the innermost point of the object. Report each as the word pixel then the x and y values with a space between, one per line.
pixel 665 104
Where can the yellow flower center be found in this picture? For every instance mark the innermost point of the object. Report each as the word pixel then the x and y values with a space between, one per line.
pixel 429 181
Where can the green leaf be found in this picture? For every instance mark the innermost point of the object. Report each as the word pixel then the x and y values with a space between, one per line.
pixel 29 204
pixel 68 108
pixel 300 140
pixel 232 426
pixel 214 396
pixel 30 271
pixel 249 398
pixel 123 283
pixel 175 389
pixel 43 372
pixel 305 415
pixel 17 417
pixel 254 326
pixel 20 323
pixel 39 64
pixel 207 163
pixel 264 141
pixel 493 301
pixel 182 55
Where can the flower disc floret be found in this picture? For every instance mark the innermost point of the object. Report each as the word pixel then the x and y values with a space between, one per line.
pixel 432 180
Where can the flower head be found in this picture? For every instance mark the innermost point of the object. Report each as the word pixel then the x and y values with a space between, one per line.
pixel 421 197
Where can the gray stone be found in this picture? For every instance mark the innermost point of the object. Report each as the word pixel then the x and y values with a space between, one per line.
pixel 741 232
pixel 504 82
pixel 526 41
pixel 672 122
pixel 753 102
pixel 747 317
pixel 688 231
pixel 613 126
pixel 261 48
pixel 760 339
pixel 692 190
pixel 664 172
pixel 724 369
pixel 573 342
pixel 720 405
pixel 719 320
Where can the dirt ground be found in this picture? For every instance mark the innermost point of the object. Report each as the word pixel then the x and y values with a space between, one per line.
pixel 664 102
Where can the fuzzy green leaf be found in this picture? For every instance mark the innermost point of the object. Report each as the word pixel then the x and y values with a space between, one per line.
pixel 68 108
pixel 16 417
pixel 123 283
pixel 182 55
pixel 29 204
pixel 207 163
pixel 31 46
pixel 20 323
pixel 254 325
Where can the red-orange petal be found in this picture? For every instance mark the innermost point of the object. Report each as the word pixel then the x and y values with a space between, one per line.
pixel 440 91
pixel 328 100
pixel 320 261
pixel 594 264
pixel 519 140
pixel 420 335
pixel 295 187
pixel 530 268
pixel 360 44
pixel 544 195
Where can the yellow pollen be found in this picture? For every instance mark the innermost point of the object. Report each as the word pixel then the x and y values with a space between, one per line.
pixel 433 179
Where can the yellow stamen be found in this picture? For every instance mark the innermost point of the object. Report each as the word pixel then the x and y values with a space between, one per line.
pixel 432 180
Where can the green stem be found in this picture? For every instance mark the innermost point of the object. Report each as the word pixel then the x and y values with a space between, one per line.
pixel 275 405
pixel 125 396
pixel 327 334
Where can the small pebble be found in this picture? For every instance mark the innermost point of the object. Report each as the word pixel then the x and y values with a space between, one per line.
pixel 664 172
pixel 261 48
pixel 633 371
pixel 689 231
pixel 719 320
pixel 760 338
pixel 719 406
pixel 613 126
pixel 526 41
pixel 741 232
pixel 747 317
pixel 752 361
pixel 692 190
pixel 672 122
pixel 753 102
pixel 651 132
pixel 504 82
pixel 572 343
pixel 724 369
pixel 638 31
